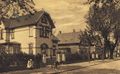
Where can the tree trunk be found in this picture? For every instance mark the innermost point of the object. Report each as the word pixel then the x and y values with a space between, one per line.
pixel 105 47
pixel 111 53
pixel 112 48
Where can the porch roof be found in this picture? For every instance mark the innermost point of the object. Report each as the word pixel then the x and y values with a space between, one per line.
pixel 10 43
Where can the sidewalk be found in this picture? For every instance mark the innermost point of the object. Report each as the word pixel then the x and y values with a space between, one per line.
pixel 75 66
pixel 81 65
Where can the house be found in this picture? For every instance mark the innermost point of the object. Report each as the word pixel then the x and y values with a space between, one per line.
pixel 69 42
pixel 70 45
pixel 55 41
pixel 31 34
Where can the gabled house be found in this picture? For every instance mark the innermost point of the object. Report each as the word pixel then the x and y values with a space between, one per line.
pixel 70 45
pixel 31 34
pixel 69 42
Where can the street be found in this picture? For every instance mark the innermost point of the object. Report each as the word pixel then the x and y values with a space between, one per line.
pixel 93 67
pixel 108 67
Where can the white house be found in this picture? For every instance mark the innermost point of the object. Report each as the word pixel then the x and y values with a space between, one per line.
pixel 31 34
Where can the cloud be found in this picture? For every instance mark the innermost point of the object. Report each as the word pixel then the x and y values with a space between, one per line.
pixel 66 13
pixel 64 17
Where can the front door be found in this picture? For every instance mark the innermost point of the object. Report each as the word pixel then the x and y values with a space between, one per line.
pixel 44 48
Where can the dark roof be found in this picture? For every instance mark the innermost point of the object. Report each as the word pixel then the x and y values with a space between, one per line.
pixel 29 19
pixel 67 38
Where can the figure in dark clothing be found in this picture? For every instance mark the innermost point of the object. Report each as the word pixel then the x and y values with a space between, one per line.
pixel 55 64
pixel 38 60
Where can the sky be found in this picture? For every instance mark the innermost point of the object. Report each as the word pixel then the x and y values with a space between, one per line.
pixel 67 14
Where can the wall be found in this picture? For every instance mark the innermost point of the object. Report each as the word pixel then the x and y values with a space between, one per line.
pixel 4 33
pixel 42 40
pixel 74 49
pixel 21 35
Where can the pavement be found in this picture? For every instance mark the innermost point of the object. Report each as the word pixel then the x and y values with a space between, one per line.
pixel 107 66
pixel 97 67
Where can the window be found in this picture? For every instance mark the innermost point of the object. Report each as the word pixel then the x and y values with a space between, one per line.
pixel 30 48
pixel 11 50
pixel 44 31
pixel 7 35
pixel 1 34
pixel 41 31
pixel 44 20
pixel 30 31
pixel 12 34
pixel 47 31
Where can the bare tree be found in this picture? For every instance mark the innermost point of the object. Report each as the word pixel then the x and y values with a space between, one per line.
pixel 104 18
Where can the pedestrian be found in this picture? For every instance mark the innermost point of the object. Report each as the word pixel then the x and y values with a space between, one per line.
pixel 58 59
pixel 63 58
pixel 30 64
pixel 38 60
pixel 44 59
pixel 55 64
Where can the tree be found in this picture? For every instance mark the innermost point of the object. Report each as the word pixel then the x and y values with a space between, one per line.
pixel 14 8
pixel 88 37
pixel 104 18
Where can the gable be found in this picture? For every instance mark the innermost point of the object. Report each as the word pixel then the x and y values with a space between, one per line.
pixel 44 19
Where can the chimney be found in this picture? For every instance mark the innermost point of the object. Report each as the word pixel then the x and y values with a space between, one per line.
pixel 74 30
pixel 60 32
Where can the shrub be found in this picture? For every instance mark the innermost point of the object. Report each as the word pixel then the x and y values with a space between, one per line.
pixel 8 60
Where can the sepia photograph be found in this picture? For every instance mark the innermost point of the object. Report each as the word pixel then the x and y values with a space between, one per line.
pixel 59 36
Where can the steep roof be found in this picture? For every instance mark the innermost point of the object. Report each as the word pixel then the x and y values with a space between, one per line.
pixel 66 38
pixel 30 19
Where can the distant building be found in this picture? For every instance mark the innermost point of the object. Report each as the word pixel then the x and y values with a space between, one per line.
pixel 70 45
pixel 69 42
pixel 31 34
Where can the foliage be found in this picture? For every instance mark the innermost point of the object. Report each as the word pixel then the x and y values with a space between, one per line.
pixel 104 18
pixel 20 59
pixel 88 37
pixel 14 8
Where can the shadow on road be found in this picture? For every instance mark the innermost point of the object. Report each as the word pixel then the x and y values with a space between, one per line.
pixel 98 71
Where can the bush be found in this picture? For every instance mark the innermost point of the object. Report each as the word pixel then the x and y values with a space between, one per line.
pixel 12 60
